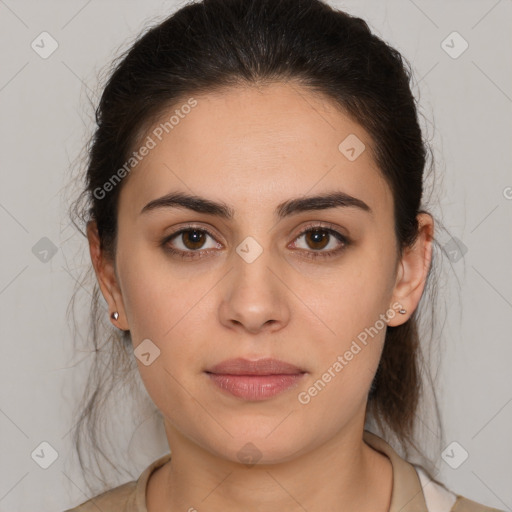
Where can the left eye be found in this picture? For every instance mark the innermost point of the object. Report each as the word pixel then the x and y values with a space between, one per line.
pixel 320 238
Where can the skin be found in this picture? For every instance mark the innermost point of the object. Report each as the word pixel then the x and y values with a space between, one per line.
pixel 253 148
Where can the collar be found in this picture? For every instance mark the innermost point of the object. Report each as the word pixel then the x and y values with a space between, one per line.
pixel 407 492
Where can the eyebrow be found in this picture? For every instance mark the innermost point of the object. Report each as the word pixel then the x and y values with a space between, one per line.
pixel 285 209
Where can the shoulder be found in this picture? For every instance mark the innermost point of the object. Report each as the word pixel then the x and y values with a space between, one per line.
pixel 128 497
pixel 441 499
pixel 438 498
pixel 463 504
pixel 113 500
pixel 414 490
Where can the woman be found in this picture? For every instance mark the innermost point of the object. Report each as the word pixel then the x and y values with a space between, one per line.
pixel 256 229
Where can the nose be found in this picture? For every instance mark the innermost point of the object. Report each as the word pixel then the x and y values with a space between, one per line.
pixel 254 297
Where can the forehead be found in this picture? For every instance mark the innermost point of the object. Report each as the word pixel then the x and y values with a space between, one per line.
pixel 255 147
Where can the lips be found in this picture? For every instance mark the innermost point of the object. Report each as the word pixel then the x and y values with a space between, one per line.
pixel 268 366
pixel 255 380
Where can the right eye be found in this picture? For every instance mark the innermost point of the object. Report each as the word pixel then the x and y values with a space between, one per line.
pixel 189 240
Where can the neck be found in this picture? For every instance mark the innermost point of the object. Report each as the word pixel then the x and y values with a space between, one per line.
pixel 334 476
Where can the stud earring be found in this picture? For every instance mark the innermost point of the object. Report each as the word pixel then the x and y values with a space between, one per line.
pixel 114 315
pixel 402 311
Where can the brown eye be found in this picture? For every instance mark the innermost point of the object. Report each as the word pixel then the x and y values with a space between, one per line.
pixel 193 238
pixel 317 238
pixel 190 243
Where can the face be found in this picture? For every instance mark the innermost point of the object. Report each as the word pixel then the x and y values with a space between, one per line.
pixel 309 284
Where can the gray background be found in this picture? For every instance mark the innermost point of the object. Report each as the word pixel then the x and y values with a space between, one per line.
pixel 46 118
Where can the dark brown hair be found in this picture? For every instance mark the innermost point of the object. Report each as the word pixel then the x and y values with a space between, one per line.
pixel 215 44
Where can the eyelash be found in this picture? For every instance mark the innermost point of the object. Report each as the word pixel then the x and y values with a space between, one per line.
pixel 191 254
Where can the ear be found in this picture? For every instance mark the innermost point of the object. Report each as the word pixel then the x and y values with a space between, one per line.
pixel 413 270
pixel 106 276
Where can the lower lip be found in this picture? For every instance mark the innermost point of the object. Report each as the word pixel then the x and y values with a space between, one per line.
pixel 255 387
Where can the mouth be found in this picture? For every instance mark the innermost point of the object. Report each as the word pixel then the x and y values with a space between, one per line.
pixel 255 380
pixel 268 366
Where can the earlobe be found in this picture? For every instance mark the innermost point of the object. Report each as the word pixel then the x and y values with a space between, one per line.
pixel 107 279
pixel 413 270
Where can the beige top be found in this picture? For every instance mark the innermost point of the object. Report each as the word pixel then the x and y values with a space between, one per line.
pixel 412 490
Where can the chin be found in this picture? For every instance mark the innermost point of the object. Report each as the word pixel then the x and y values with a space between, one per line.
pixel 259 444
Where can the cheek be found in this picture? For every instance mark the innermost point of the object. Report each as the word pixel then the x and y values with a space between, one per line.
pixel 165 308
pixel 354 307
pixel 166 317
pixel 356 293
pixel 157 298
pixel 345 364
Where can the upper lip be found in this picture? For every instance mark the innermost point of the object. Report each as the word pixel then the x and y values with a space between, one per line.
pixel 241 366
